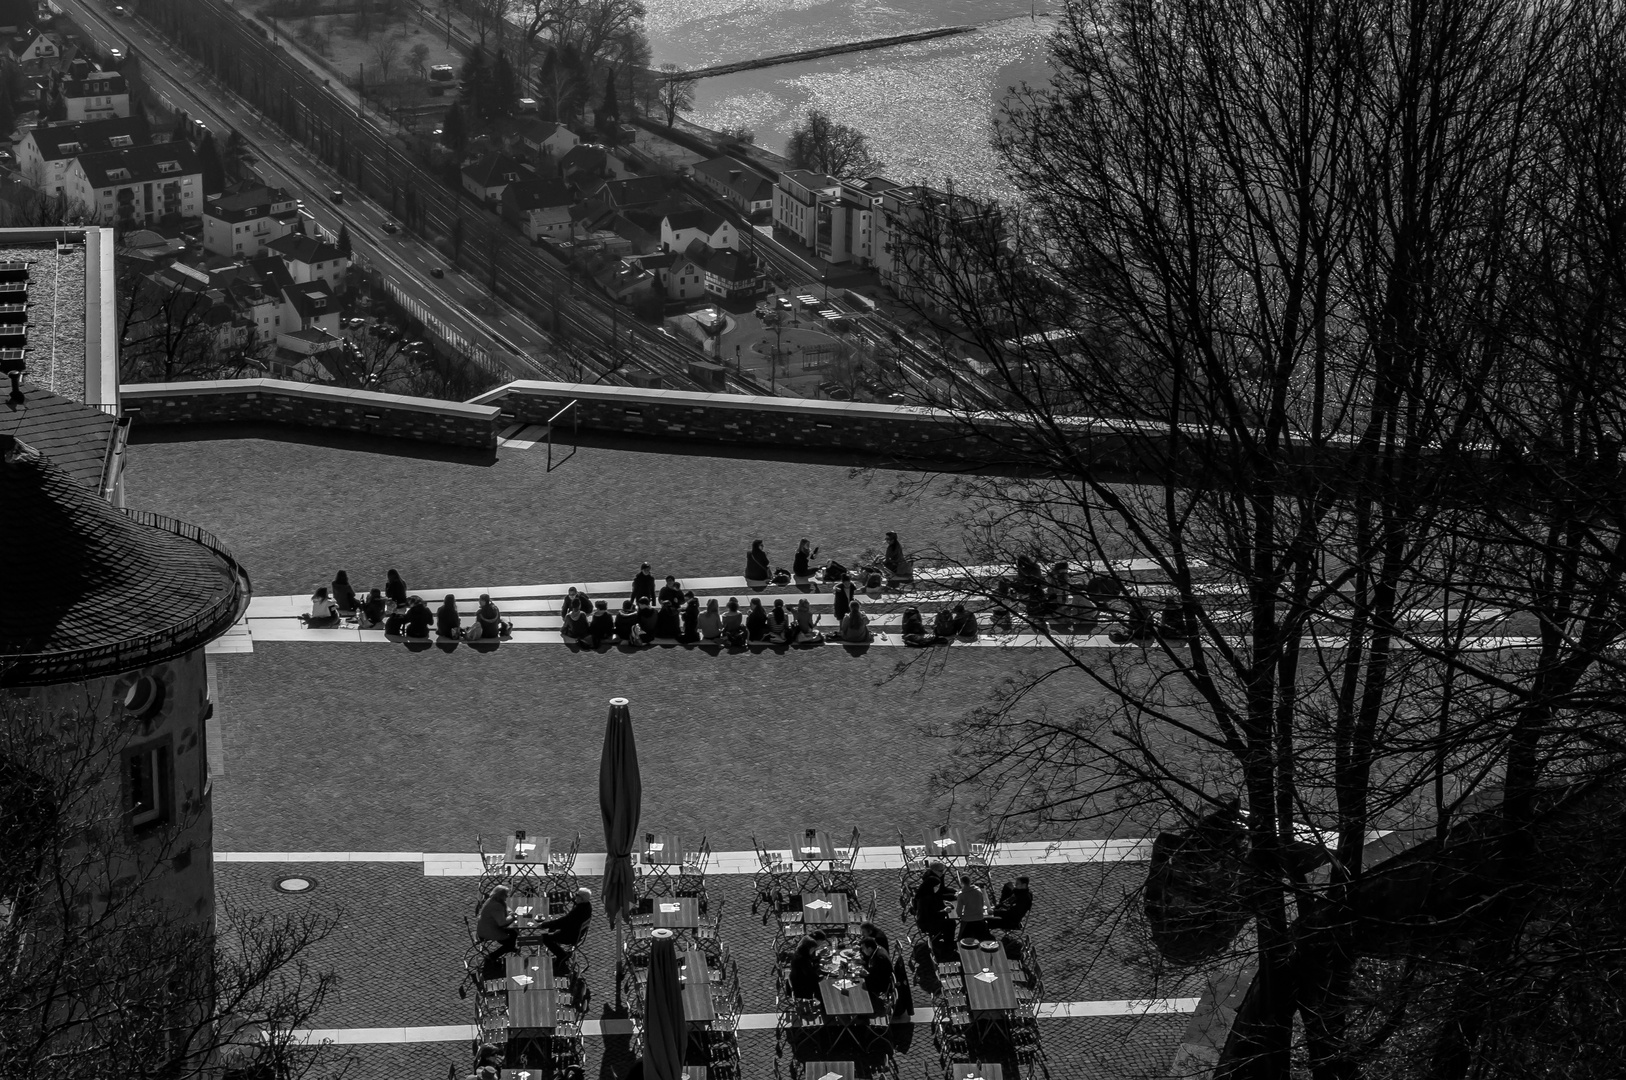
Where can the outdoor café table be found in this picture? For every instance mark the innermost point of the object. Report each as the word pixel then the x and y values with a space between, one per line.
pixel 532 1009
pixel 830 1070
pixel 992 1070
pixel 528 857
pixel 990 995
pixel 538 969
pixel 947 843
pixel 675 913
pixel 824 909
pixel 659 855
pixel 695 980
pixel 845 1004
pixel 529 913
pixel 813 849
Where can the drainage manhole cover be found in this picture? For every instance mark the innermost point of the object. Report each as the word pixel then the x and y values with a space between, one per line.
pixel 295 884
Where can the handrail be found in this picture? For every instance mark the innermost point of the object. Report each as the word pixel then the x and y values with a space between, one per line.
pixel 21 669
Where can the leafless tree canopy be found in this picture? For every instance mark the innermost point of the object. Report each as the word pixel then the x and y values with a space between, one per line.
pixel 824 146
pixel 1339 287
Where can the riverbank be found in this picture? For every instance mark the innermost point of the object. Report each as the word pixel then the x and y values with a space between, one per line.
pixel 826 50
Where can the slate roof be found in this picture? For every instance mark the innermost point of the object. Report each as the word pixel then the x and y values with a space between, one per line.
pixel 731 266
pixel 633 191
pixel 94 135
pixel 312 299
pixel 306 249
pixel 707 221
pixel 526 195
pixel 95 84
pixel 72 434
pixel 142 162
pixel 495 169
pixel 745 182
pixel 104 592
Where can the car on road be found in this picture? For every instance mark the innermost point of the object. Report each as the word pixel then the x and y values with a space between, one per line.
pixel 115 55
pixel 391 227
pixel 336 195
pixel 783 303
pixel 120 10
pixel 437 272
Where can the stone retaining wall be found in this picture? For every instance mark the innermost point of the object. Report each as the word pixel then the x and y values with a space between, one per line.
pixel 306 405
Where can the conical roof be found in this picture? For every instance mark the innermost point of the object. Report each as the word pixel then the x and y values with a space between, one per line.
pixel 94 590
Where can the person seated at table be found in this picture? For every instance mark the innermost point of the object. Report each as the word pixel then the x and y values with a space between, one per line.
pixel 627 630
pixel 601 627
pixel 669 621
pixel 489 617
pixel 488 1054
pixel 757 566
pixel 370 615
pixel 647 614
pixel 395 590
pixel 672 590
pixel 575 626
pixel 733 623
pixel 867 929
pixel 643 584
pixel 1015 901
pixel 802 564
pixel 805 972
pixel 930 904
pixel 855 627
pixel 807 622
pixel 971 908
pixel 711 622
pixel 779 624
pixel 562 933
pixel 343 594
pixel 324 612
pixel 756 621
pixel 914 628
pixel 691 619
pixel 419 619
pixel 877 971
pixel 496 923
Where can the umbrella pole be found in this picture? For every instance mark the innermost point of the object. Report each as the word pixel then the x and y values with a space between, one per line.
pixel 618 955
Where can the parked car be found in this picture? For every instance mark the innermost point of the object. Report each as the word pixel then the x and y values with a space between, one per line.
pixel 835 391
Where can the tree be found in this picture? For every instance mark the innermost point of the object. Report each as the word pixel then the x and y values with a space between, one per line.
pixel 737 135
pixel 109 979
pixel 234 155
pixel 418 58
pixel 476 75
pixel 504 89
pixel 1319 280
pixel 490 16
pixel 386 50
pixel 8 112
pixel 558 81
pixel 214 170
pixel 609 111
pixel 824 146
pixel 452 132
pixel 676 92
pixel 343 242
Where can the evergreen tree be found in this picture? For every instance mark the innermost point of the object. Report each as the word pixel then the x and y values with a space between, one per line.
pixel 610 111
pixel 476 81
pixel 183 127
pixel 8 113
pixel 452 132
pixel 343 243
pixel 504 89
pixel 214 170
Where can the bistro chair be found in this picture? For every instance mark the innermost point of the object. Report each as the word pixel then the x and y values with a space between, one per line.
pixel 562 867
pixel 775 877
pixel 493 864
pixel 841 868
pixel 696 861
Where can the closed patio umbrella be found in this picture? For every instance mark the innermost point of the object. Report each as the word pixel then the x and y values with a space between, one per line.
pixel 620 797
pixel 665 1034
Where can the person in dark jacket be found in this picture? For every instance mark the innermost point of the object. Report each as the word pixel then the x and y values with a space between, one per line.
pixel 627 631
pixel 489 617
pixel 343 594
pixel 448 623
pixel 562 932
pixel 757 567
pixel 395 589
pixel 644 584
pixel 691 618
pixel 575 598
pixel 372 611
pixel 802 565
pixel 1015 901
pixel 844 592
pixel 756 621
pixel 648 614
pixel 896 564
pixel 877 971
pixel 914 628
pixel 932 899
pixel 804 966
pixel 669 621
pixel 672 590
pixel 601 628
pixel 418 618
pixel 496 923
pixel 868 929
pixel 575 627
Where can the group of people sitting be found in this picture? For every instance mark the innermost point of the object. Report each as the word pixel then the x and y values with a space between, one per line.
pixel 892 568
pixel 397 612
pixel 882 973
pixel 558 935
pixel 938 907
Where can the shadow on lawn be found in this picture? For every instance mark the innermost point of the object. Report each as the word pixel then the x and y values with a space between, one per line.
pixel 337 440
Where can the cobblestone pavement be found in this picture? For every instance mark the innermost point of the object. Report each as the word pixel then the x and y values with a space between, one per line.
pixel 401 936
pixel 353 748
pixel 294 506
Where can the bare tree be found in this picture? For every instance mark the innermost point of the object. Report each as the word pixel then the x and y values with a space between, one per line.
pixel 676 92
pixel 822 145
pixel 418 58
pixel 386 51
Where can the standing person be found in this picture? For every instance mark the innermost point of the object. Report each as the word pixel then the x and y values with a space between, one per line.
pixel 395 591
pixel 897 566
pixel 343 595
pixel 802 565
pixel 643 585
pixel 496 923
pixel 971 908
pixel 757 567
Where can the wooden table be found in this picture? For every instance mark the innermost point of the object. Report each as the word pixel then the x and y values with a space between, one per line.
pixel 537 850
pixel 845 1005
pixel 665 849
pixel 817 849
pixel 696 986
pixel 988 995
pixel 992 1070
pixel 824 916
pixel 537 968
pixel 947 843
pixel 676 913
pixel 825 1070
pixel 532 1010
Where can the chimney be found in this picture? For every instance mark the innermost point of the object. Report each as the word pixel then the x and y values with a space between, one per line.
pixel 733 174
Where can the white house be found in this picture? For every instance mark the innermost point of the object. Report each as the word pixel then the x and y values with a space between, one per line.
pixel 43 153
pixel 97 96
pixel 680 229
pixel 539 208
pixel 141 185
pixel 796 203
pixel 243 222
pixel 309 259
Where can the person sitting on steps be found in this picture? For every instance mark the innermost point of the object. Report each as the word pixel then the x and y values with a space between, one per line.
pixel 733 623
pixel 343 595
pixel 627 630
pixel 395 590
pixel 802 565
pixel 370 616
pixel 711 622
pixel 807 623
pixel 855 627
pixel 672 590
pixel 448 623
pixel 324 612
pixel 756 621
pixel 490 621
pixel 779 625
pixel 758 567
pixel 601 630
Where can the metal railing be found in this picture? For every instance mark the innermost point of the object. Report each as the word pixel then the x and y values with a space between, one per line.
pixel 24 669
pixel 575 431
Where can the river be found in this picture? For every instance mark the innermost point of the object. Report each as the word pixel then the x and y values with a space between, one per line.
pixel 927 106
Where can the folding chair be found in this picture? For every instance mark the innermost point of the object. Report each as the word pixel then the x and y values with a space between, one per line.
pixel 774 878
pixel 696 861
pixel 562 866
pixel 841 869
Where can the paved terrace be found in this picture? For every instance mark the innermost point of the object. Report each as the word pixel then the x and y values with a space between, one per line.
pixel 373 769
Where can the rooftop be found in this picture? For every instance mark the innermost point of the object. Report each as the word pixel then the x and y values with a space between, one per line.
pixel 57 141
pixel 139 164
pixel 306 249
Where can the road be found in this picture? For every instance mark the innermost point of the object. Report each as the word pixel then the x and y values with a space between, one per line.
pixel 465 307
